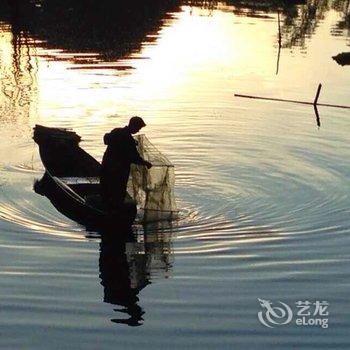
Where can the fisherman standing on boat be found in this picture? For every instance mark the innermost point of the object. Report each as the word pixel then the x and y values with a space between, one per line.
pixel 120 153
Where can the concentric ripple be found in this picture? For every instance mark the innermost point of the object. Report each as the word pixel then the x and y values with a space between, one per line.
pixel 20 205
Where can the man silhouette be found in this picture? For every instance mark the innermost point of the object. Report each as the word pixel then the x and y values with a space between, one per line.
pixel 120 153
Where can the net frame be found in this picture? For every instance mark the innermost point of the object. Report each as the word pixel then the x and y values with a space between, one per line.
pixel 153 189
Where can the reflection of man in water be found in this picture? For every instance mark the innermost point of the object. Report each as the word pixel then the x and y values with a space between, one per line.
pixel 126 266
pixel 121 152
pixel 116 278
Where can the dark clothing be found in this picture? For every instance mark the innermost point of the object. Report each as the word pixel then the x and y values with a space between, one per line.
pixel 120 153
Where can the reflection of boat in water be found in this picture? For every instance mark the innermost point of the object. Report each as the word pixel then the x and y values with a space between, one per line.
pixel 343 58
pixel 71 180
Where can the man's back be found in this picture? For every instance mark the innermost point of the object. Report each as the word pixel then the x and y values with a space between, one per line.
pixel 121 148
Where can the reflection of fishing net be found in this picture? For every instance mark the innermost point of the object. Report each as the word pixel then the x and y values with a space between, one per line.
pixel 153 189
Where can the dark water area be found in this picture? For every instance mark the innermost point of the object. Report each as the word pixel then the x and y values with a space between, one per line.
pixel 262 187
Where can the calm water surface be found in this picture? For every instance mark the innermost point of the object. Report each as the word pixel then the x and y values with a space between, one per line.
pixel 262 188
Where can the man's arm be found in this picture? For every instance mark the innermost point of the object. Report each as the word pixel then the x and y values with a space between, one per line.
pixel 140 161
pixel 136 158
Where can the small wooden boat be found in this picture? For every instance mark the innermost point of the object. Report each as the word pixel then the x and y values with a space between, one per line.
pixel 343 58
pixel 71 180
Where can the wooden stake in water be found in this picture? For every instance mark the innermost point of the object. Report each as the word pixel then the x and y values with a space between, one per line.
pixel 314 103
pixel 317 94
pixel 279 44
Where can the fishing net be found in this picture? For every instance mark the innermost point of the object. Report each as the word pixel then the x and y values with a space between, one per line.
pixel 153 189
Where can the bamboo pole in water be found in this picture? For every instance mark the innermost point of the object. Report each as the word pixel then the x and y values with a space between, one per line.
pixel 315 103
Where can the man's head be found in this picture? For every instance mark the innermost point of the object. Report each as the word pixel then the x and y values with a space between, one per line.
pixel 136 124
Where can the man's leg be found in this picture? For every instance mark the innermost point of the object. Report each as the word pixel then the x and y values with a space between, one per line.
pixel 120 188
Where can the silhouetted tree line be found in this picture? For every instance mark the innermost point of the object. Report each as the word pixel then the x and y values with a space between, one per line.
pixel 300 18
pixel 263 5
pixel 117 28
pixel 109 27
pixel 303 24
